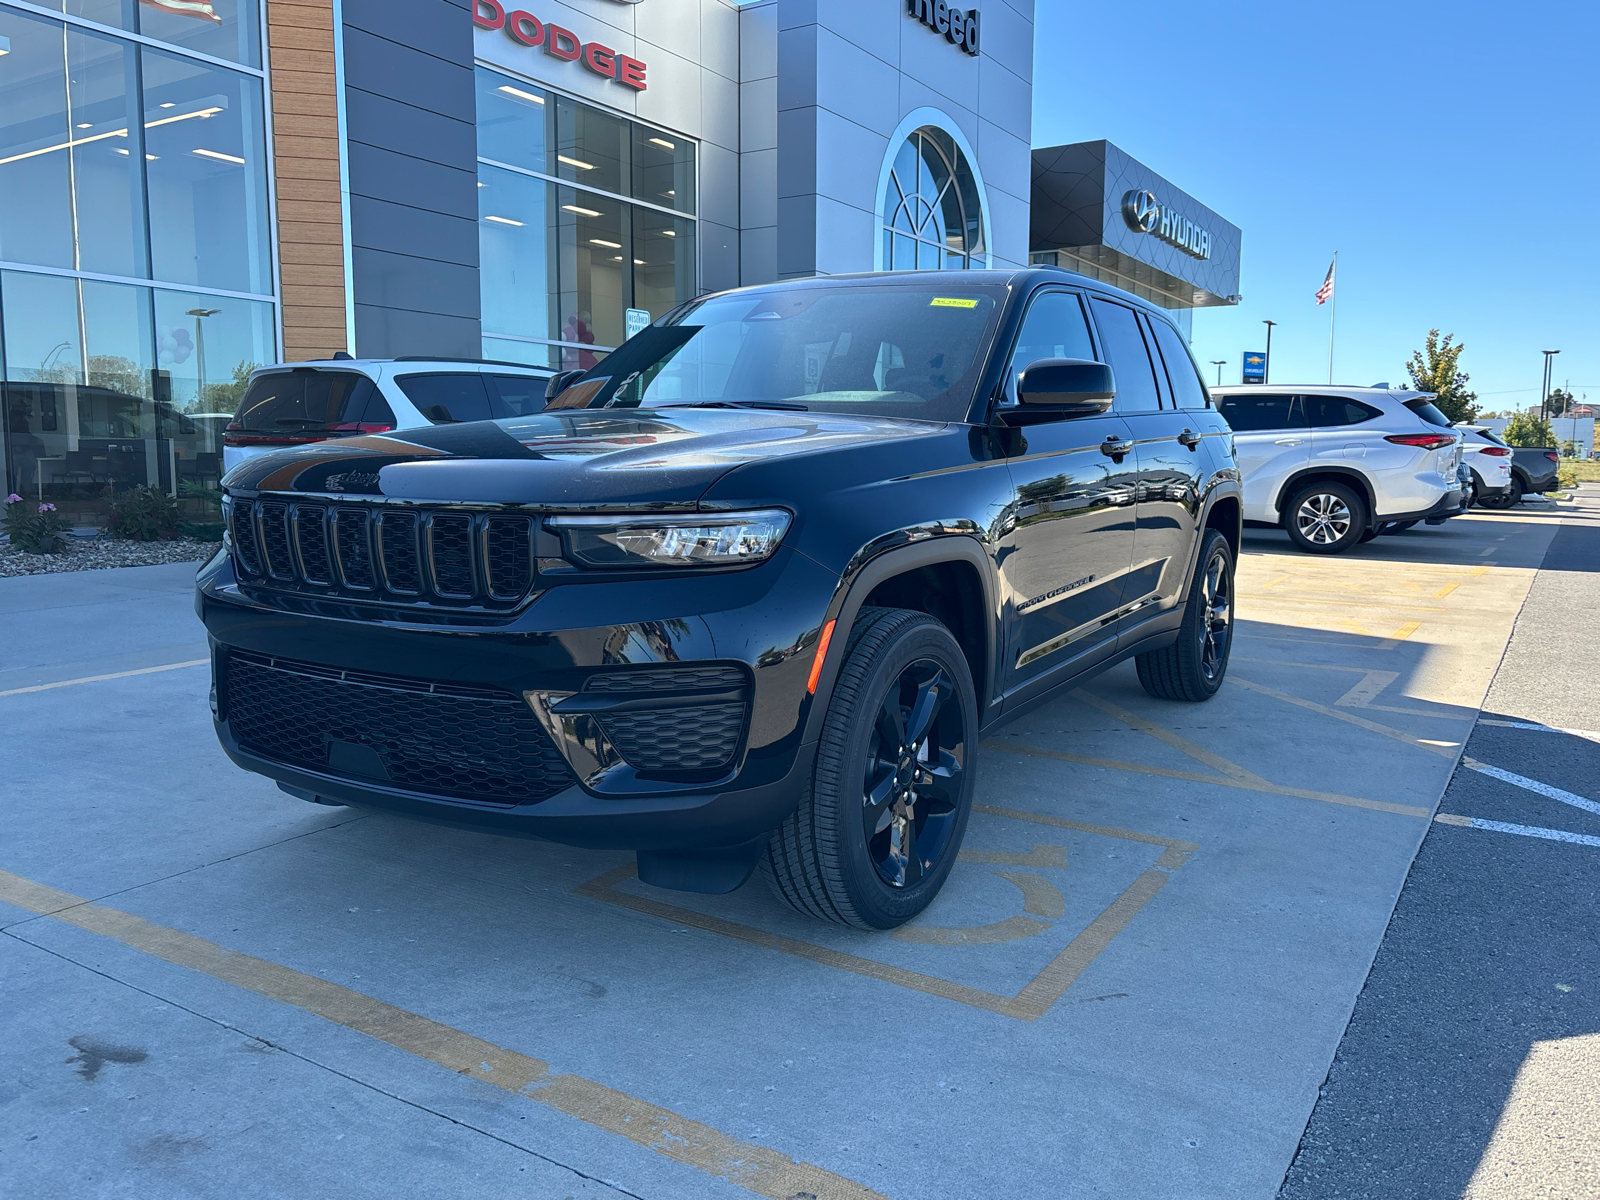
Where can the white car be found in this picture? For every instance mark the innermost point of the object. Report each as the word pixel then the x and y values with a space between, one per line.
pixel 1335 465
pixel 290 404
pixel 1490 461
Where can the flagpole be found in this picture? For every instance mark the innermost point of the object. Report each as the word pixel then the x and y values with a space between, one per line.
pixel 1333 312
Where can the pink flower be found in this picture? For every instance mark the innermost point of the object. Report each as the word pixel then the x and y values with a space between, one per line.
pixel 47 508
pixel 13 498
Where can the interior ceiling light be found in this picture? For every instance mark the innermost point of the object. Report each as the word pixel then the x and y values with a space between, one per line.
pixel 85 125
pixel 582 212
pixel 522 95
pixel 638 262
pixel 663 143
pixel 575 162
pixel 606 244
pixel 669 233
pixel 504 221
pixel 481 183
pixel 616 258
pixel 219 156
pixel 670 192
pixel 5 45
pixel 169 104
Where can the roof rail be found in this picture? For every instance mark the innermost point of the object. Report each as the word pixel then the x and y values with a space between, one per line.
pixel 487 362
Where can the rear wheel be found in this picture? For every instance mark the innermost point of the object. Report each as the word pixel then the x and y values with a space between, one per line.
pixel 1192 668
pixel 1513 497
pixel 879 828
pixel 1326 518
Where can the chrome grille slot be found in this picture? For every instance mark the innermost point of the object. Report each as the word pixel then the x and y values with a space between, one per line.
pixel 351 543
pixel 508 556
pixel 397 535
pixel 311 539
pixel 450 554
pixel 275 539
pixel 246 547
pixel 444 557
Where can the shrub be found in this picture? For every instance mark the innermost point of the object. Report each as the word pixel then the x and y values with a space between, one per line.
pixel 144 514
pixel 35 529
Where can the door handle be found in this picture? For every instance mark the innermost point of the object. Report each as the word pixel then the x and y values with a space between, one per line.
pixel 1189 438
pixel 1288 441
pixel 1115 448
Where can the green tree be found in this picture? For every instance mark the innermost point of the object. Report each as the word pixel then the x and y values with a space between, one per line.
pixel 1436 368
pixel 1523 430
pixel 1557 403
pixel 225 397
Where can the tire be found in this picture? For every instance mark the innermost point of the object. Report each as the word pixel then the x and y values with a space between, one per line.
pixel 1326 518
pixel 1369 534
pixel 1514 496
pixel 1193 667
pixel 822 860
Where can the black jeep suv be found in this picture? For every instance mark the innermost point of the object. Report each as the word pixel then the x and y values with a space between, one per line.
pixel 750 590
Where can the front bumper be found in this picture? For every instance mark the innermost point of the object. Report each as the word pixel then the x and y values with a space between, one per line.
pixel 762 621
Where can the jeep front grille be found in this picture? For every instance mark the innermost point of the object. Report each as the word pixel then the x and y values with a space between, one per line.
pixel 429 555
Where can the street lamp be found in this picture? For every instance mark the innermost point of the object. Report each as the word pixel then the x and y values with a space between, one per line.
pixel 1544 386
pixel 1219 363
pixel 200 352
pixel 1266 369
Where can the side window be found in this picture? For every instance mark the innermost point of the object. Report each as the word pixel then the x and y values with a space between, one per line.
pixel 515 395
pixel 1251 413
pixel 1055 327
pixel 1129 357
pixel 1187 389
pixel 1327 411
pixel 445 399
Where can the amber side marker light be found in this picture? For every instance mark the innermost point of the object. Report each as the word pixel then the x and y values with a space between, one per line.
pixel 816 663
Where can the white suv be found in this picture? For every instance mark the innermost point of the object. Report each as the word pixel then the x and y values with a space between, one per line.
pixel 1334 465
pixel 290 404
pixel 1490 461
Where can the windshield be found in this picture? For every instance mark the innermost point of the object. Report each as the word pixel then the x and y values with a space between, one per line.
pixel 894 350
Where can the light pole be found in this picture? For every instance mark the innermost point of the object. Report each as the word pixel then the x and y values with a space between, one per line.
pixel 1219 363
pixel 1266 368
pixel 200 352
pixel 1544 386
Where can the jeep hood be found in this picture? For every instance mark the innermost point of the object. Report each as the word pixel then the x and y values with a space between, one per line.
pixel 577 459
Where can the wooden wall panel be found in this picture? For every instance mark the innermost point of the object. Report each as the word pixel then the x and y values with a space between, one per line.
pixel 305 148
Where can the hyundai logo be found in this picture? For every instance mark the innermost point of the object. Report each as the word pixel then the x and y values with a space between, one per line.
pixel 1141 211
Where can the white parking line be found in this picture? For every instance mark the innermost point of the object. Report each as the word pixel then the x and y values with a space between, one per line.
pixel 45 687
pixel 1553 835
pixel 1532 785
pixel 1590 734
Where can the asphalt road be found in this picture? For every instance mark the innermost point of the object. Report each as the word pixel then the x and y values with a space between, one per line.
pixel 1471 1065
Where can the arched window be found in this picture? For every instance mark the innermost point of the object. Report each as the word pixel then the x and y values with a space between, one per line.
pixel 932 206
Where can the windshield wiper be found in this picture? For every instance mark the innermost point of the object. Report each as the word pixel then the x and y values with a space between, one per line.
pixel 785 405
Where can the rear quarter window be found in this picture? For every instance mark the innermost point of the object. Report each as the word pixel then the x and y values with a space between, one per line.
pixel 1430 414
pixel 1325 411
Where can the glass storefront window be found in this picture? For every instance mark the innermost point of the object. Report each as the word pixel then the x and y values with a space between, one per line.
pixel 563 254
pixel 206 347
pixel 108 186
pixel 206 151
pixel 35 144
pixel 229 29
pixel 932 214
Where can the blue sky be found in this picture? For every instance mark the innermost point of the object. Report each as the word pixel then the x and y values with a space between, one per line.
pixel 1447 151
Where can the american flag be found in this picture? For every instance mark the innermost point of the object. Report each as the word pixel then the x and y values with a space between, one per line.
pixel 1325 292
pixel 186 8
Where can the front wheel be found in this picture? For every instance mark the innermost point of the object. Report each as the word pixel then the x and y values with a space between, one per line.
pixel 1192 668
pixel 880 826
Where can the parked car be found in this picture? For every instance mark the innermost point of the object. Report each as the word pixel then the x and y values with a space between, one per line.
pixel 294 404
pixel 751 590
pixel 1534 471
pixel 1489 460
pixel 1335 465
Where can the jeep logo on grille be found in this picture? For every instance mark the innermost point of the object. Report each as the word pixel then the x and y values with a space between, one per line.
pixel 352 481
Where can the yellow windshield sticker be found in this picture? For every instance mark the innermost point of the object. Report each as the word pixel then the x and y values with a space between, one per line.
pixel 951 302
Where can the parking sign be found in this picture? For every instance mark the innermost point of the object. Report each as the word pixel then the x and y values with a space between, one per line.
pixel 1255 366
pixel 635 319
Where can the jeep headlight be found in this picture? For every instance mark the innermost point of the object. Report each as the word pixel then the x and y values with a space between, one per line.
pixel 671 540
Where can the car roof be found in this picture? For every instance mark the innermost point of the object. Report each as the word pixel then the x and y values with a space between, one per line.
pixel 1322 389
pixel 408 362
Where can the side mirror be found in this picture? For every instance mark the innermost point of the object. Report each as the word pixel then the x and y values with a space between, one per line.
pixel 558 383
pixel 1067 387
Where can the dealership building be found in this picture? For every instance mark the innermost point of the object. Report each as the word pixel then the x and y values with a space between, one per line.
pixel 190 188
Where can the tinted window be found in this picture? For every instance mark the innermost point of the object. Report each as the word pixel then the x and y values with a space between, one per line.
pixel 1055 327
pixel 447 398
pixel 518 395
pixel 1337 410
pixel 1130 361
pixel 1187 388
pixel 1251 412
pixel 1430 414
pixel 286 401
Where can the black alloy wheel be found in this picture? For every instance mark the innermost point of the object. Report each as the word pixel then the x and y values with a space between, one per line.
pixel 1326 518
pixel 1194 666
pixel 878 830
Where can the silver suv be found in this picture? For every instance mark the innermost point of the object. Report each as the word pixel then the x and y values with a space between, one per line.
pixel 1334 465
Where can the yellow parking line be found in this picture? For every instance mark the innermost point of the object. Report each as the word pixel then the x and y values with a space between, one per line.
pixel 1445 590
pixel 45 687
pixel 1448 749
pixel 1199 753
pixel 755 1168
pixel 1400 635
